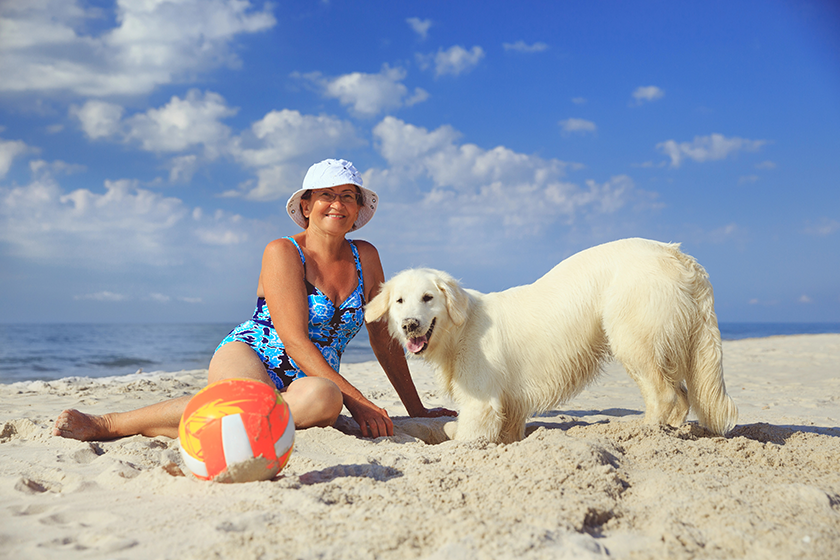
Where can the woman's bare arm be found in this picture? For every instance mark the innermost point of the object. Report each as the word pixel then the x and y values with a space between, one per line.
pixel 284 288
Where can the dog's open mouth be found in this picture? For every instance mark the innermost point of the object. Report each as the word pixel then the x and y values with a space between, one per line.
pixel 416 345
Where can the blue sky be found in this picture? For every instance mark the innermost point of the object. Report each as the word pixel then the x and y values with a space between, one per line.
pixel 147 147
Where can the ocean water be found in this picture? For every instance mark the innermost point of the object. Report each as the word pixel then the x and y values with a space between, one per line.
pixel 53 351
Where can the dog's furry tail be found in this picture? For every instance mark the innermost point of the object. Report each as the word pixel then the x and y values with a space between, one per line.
pixel 706 388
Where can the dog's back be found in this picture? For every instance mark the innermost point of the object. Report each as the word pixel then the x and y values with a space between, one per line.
pixel 559 320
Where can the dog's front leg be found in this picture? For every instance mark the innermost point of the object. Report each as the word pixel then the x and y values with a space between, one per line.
pixel 478 418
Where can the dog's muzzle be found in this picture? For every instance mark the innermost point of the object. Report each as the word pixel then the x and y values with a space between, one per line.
pixel 414 343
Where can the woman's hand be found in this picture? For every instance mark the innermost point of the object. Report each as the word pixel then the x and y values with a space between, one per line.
pixel 373 421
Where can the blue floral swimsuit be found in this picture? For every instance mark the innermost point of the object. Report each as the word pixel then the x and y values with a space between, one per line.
pixel 330 328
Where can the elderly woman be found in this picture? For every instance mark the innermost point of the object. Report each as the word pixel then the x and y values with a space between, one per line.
pixel 310 298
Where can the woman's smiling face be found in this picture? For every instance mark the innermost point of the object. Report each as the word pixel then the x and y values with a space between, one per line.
pixel 335 206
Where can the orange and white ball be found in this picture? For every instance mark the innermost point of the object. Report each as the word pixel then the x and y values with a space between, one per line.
pixel 236 430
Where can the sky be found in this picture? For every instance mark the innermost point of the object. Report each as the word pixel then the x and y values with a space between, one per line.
pixel 147 147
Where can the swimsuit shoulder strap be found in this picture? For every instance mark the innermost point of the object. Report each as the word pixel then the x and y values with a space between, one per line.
pixel 356 256
pixel 358 260
pixel 300 251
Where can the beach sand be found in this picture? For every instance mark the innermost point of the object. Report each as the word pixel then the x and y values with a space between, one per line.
pixel 589 480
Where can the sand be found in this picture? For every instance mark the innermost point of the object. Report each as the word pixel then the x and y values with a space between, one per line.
pixel 589 480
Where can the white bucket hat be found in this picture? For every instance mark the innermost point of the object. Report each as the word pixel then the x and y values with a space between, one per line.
pixel 333 173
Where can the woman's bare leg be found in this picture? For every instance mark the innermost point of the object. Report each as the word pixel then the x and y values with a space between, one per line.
pixel 313 402
pixel 159 419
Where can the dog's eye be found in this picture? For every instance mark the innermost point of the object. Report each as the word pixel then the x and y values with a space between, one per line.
pixel 400 300
pixel 427 298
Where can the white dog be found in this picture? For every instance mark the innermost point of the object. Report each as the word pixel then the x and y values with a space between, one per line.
pixel 503 356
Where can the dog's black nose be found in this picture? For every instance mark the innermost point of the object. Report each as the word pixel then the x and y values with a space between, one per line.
pixel 410 325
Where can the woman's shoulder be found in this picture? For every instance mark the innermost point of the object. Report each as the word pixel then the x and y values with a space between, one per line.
pixel 366 249
pixel 283 248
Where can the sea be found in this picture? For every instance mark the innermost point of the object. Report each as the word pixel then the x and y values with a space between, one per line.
pixel 53 351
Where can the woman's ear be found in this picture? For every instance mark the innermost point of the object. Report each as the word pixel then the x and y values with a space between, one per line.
pixel 305 207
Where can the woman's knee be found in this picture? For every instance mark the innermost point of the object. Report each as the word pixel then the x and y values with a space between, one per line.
pixel 314 401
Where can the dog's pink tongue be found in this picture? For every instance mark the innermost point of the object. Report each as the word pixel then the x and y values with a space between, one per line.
pixel 414 345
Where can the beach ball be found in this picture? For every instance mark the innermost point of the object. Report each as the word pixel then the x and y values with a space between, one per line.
pixel 236 430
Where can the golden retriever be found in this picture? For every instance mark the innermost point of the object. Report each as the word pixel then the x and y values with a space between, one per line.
pixel 504 356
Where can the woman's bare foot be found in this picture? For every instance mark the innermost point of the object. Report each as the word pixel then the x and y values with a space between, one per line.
pixel 85 427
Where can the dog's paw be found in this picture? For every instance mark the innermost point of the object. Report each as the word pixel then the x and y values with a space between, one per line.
pixel 450 429
pixel 429 430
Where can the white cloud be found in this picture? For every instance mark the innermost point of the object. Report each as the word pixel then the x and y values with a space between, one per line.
pixel 224 237
pixel 182 124
pixel 610 196
pixel 419 96
pixel 405 145
pixel 723 233
pixel 577 125
pixel 747 179
pixel 579 100
pixel 730 234
pixel 44 46
pixel 179 125
pixel 273 182
pixel 707 148
pixel 280 147
pixel 523 47
pixel 41 168
pixel 647 93
pixel 467 185
pixel 181 168
pixel 287 134
pixel 648 165
pixel 276 147
pixel 805 299
pixel 121 225
pixel 823 227
pixel 452 61
pixel 368 95
pixel 766 165
pixel 9 150
pixel 420 26
pixel 102 296
pixel 98 118
pixel 42 222
pixel 113 297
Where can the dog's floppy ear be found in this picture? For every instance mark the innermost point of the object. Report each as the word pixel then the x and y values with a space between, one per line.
pixel 457 300
pixel 378 306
